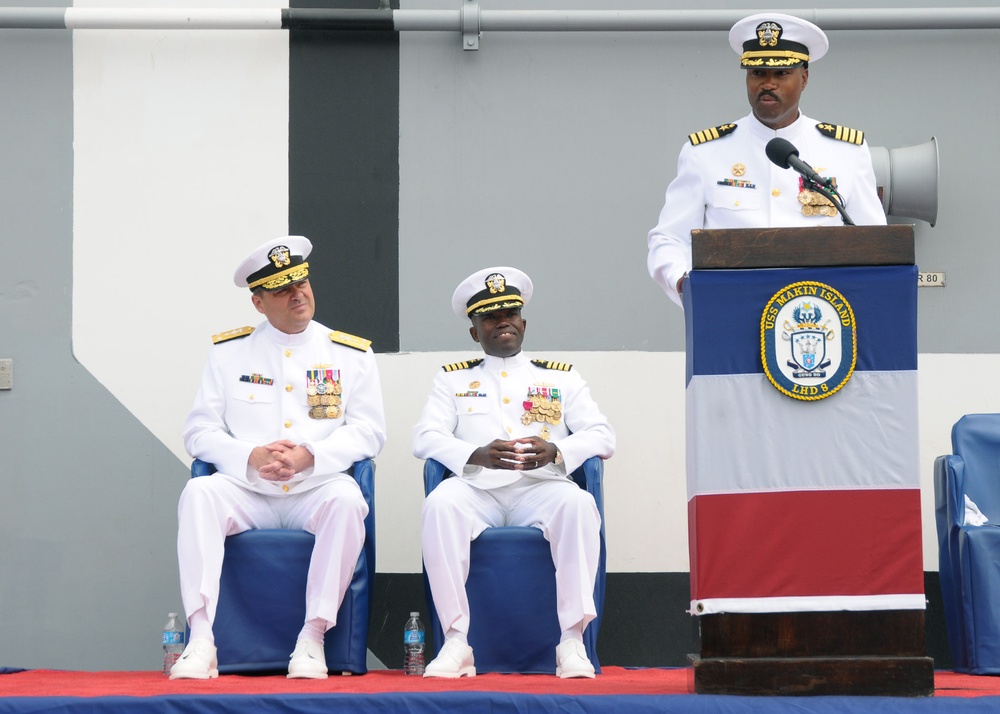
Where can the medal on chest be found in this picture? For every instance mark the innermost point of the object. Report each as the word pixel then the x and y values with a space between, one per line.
pixel 323 390
pixel 543 404
pixel 815 203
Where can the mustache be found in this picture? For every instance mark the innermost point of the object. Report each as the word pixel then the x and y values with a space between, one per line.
pixel 767 93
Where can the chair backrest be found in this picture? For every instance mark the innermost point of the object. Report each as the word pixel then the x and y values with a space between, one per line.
pixel 976 438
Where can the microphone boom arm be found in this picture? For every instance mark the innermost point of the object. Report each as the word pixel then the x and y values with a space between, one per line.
pixel 784 154
pixel 827 189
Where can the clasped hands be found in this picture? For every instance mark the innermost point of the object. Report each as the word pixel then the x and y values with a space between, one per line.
pixel 518 455
pixel 280 460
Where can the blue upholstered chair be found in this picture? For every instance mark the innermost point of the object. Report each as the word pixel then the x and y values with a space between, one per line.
pixel 512 589
pixel 969 555
pixel 262 595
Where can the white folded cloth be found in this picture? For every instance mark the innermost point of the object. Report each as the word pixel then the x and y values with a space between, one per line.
pixel 973 516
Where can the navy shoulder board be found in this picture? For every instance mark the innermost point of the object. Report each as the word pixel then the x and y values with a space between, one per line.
pixel 358 343
pixel 841 133
pixel 548 364
pixel 715 132
pixel 468 364
pixel 231 335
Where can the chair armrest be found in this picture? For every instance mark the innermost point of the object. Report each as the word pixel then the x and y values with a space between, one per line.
pixel 364 473
pixel 434 473
pixel 590 477
pixel 949 492
pixel 201 468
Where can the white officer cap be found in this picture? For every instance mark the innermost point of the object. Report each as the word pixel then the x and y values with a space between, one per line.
pixel 275 264
pixel 491 289
pixel 772 40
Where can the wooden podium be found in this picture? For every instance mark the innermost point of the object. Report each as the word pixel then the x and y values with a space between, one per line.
pixel 802 462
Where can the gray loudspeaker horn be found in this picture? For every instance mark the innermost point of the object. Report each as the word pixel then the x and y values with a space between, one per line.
pixel 907 180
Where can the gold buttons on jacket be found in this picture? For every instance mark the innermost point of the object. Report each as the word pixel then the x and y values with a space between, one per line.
pixel 775 192
pixel 288 353
pixel 506 400
pixel 288 387
pixel 288 425
pixel 284 487
pixel 503 374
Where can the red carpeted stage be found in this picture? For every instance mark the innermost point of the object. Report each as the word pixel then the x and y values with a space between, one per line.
pixel 617 690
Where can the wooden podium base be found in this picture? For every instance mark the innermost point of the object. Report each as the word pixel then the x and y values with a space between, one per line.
pixel 877 653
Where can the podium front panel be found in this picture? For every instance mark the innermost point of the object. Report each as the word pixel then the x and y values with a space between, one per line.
pixel 808 502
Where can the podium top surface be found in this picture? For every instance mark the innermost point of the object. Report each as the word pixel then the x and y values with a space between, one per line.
pixel 733 248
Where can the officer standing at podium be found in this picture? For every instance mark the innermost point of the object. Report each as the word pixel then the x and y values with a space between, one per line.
pixel 724 177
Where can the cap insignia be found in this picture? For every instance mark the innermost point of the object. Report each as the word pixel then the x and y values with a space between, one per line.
pixel 358 343
pixel 496 283
pixel 841 133
pixel 280 255
pixel 768 33
pixel 468 364
pixel 231 335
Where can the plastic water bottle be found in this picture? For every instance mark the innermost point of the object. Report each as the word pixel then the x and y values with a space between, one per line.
pixel 413 645
pixel 173 641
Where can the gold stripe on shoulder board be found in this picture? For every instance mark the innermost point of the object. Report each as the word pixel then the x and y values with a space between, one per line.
pixel 468 364
pixel 231 335
pixel 548 364
pixel 715 132
pixel 358 343
pixel 841 133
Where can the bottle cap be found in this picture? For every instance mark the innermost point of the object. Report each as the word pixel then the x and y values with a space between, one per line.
pixel 414 614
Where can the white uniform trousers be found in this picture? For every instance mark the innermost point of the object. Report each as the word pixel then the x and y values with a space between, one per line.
pixel 455 513
pixel 213 507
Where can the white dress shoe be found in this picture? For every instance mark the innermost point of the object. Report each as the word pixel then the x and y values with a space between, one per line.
pixel 572 660
pixel 453 661
pixel 197 661
pixel 308 661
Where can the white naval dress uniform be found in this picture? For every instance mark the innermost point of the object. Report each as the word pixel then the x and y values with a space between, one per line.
pixel 469 408
pixel 253 392
pixel 730 183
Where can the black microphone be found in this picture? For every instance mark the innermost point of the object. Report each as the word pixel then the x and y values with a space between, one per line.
pixel 783 153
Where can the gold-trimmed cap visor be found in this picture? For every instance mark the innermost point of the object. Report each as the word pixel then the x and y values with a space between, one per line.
pixel 295 274
pixel 753 58
pixel 275 265
pixel 489 304
pixel 490 289
pixel 775 41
